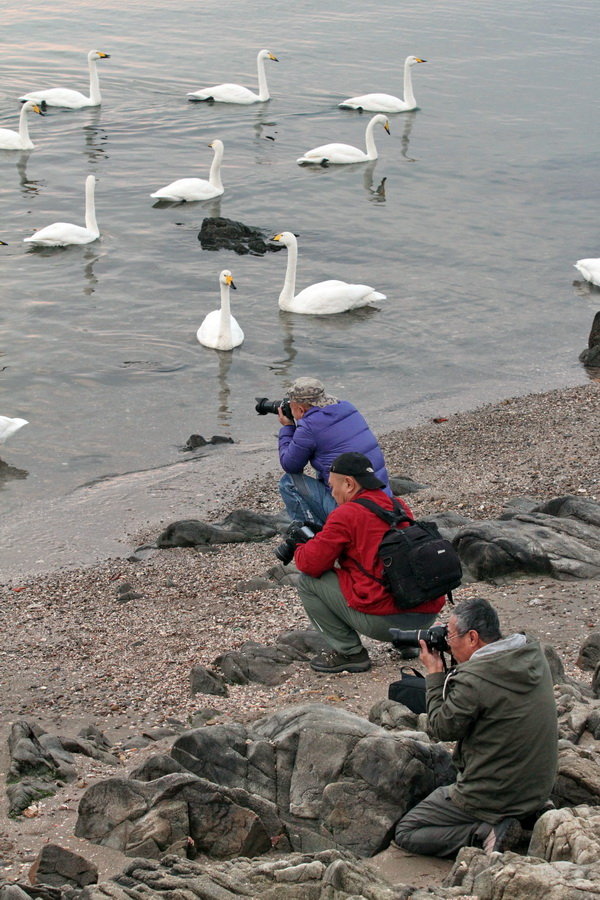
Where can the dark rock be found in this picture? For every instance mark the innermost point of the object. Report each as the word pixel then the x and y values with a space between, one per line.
pixel 596 681
pixel 239 526
pixel 57 866
pixel 258 662
pixel 561 538
pixel 155 767
pixel 393 716
pixel 518 505
pixel 87 748
pixel 589 652
pixel 219 233
pixel 306 642
pixel 196 440
pixel 402 485
pixel 22 794
pixel 557 670
pixel 95 736
pixel 578 778
pixel 38 761
pixel 202 716
pixel 591 355
pixel 204 681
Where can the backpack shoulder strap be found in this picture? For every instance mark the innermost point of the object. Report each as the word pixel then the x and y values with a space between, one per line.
pixel 392 517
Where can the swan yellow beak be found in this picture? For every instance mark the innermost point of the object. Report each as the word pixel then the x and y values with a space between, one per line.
pixel 421 60
pixel 3 243
pixel 229 281
pixel 387 127
pixel 276 237
pixel 103 55
pixel 274 58
pixel 38 110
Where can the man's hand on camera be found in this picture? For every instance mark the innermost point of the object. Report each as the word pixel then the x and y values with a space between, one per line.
pixel 283 420
pixel 431 659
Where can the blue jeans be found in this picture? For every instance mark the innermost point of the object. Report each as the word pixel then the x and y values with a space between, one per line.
pixel 306 498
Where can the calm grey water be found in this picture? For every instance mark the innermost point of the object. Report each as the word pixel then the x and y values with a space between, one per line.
pixel 491 195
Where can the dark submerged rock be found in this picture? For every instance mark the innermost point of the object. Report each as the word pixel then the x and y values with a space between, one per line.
pixel 219 233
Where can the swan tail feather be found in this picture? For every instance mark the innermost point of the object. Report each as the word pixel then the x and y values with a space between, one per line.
pixel 374 296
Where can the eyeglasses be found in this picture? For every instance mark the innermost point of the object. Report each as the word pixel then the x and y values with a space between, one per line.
pixel 451 637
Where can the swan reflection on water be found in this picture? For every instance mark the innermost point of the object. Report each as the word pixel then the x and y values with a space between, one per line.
pixel 95 136
pixel 10 473
pixel 27 185
pixel 224 393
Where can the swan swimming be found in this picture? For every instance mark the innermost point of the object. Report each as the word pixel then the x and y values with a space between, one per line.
pixel 20 140
pixel 196 188
pixel 340 154
pixel 387 102
pixel 219 330
pixel 9 426
pixel 67 98
pixel 61 234
pixel 590 269
pixel 236 93
pixel 325 297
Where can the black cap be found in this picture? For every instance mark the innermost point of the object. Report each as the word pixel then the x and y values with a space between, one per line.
pixel 358 466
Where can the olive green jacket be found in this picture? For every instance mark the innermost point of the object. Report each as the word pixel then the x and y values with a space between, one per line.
pixel 499 707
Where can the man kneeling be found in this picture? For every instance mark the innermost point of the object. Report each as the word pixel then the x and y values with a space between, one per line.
pixel 341 588
pixel 498 704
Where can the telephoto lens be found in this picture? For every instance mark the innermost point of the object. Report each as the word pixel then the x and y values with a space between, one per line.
pixel 264 406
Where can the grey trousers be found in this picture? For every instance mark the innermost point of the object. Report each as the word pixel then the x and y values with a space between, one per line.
pixel 327 609
pixel 438 827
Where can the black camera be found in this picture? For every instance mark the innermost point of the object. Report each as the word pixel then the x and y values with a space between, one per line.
pixel 264 406
pixel 297 533
pixel 434 637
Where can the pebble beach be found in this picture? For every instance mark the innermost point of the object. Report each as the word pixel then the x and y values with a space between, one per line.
pixel 74 652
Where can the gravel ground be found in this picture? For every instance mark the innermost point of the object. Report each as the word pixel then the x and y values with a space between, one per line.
pixel 73 653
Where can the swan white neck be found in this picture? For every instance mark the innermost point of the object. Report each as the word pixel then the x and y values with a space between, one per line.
pixel 26 141
pixel 409 97
pixel 289 285
pixel 370 139
pixel 263 90
pixel 225 317
pixel 90 205
pixel 95 95
pixel 215 169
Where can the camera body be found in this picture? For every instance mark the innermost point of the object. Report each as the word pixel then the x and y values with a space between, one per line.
pixel 297 533
pixel 264 406
pixel 435 638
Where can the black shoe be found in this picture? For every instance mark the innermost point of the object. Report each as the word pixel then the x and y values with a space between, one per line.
pixel 409 652
pixel 332 661
pixel 503 836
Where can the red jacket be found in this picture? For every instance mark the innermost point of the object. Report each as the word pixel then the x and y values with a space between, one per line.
pixel 353 531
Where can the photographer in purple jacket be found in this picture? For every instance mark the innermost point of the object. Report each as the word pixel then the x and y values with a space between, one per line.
pixel 321 429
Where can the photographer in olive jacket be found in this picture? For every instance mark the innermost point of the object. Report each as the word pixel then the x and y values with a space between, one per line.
pixel 498 704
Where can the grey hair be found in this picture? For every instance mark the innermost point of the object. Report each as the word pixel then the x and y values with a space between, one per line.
pixel 477 614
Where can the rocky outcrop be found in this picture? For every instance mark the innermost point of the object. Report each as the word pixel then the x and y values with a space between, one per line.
pixel 58 866
pixel 591 355
pixel 568 834
pixel 506 875
pixel 219 233
pixel 240 525
pixel 560 538
pixel 309 776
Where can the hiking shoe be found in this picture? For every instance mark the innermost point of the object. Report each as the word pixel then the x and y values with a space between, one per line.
pixel 503 836
pixel 332 661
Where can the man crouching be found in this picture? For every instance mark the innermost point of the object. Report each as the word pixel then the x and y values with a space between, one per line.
pixel 498 705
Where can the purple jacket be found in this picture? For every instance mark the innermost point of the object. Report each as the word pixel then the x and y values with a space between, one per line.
pixel 322 434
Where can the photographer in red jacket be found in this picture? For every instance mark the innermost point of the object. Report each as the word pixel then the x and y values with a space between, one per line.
pixel 342 601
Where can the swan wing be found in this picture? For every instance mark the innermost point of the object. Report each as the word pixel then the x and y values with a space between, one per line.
pixel 9 426
pixel 377 103
pixel 330 297
pixel 60 234
pixel 187 189
pixel 590 269
pixel 225 93
pixel 209 332
pixel 11 140
pixel 59 97
pixel 333 153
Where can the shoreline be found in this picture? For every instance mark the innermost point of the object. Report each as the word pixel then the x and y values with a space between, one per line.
pixel 75 654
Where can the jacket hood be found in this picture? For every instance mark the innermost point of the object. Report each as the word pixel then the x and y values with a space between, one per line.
pixel 519 668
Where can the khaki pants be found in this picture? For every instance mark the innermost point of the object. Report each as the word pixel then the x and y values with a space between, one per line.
pixel 341 626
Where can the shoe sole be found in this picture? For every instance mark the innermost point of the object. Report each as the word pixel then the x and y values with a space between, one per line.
pixel 358 667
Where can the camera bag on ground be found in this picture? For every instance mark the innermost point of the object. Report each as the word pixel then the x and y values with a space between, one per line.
pixel 410 690
pixel 418 564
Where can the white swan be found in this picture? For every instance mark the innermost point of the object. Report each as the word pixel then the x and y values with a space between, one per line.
pixel 590 269
pixel 61 234
pixel 325 297
pixel 9 426
pixel 19 140
pixel 196 188
pixel 235 93
pixel 339 154
pixel 219 330
pixel 72 99
pixel 387 102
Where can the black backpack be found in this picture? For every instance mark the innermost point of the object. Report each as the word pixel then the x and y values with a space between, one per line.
pixel 418 564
